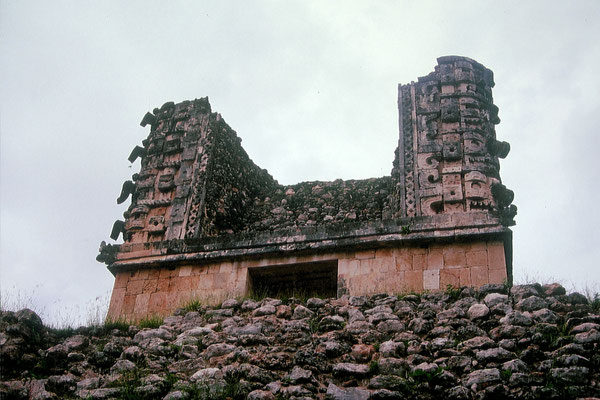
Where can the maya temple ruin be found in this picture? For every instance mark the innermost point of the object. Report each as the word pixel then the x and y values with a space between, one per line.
pixel 206 223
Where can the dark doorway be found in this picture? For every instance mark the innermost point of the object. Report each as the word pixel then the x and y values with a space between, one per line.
pixel 297 280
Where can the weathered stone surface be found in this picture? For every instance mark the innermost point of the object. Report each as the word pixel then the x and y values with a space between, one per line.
pixel 493 299
pixel 520 292
pixel 122 366
pixel 531 303
pixel 516 318
pixel 478 342
pixel 207 373
pixel 591 336
pixel 479 378
pixel 264 310
pixel 301 312
pixel 585 327
pixel 299 375
pixel 145 334
pixel 392 349
pixel 570 375
pixel 336 393
pixel 478 311
pixel 553 289
pixel 350 369
pixel 218 349
pixel 493 355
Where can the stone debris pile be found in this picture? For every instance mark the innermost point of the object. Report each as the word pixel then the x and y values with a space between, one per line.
pixel 529 342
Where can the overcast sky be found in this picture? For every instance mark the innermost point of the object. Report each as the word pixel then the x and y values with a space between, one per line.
pixel 310 87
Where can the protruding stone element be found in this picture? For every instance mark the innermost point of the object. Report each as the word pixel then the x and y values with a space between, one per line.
pixel 136 152
pixel 498 148
pixel 148 119
pixel 127 189
pixel 117 229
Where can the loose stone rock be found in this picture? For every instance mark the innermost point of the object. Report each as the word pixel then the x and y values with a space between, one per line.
pixel 478 311
pixel 336 393
pixel 493 299
pixel 349 369
pixel 301 312
pixel 269 356
pixel 476 380
pixel 531 303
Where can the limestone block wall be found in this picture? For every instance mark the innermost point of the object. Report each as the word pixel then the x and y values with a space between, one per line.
pixel 412 268
pixel 419 268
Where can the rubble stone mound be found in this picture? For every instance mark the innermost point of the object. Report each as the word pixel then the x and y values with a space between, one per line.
pixel 490 343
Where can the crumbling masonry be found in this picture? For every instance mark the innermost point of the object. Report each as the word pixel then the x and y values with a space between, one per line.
pixel 206 223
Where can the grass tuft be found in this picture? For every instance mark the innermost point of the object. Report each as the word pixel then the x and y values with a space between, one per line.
pixel 152 322
pixel 452 292
pixel 120 324
pixel 193 305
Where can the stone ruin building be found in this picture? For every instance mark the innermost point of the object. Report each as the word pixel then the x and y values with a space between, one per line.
pixel 206 223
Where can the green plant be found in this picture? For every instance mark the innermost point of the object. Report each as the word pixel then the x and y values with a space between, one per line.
pixel 373 367
pixel 507 285
pixel 452 292
pixel 405 230
pixel 127 384
pixel 258 293
pixel 229 389
pixel 120 324
pixel 425 376
pixel 313 324
pixel 65 332
pixel 595 302
pixel 171 379
pixel 152 322
pixel 193 305
pixel 506 374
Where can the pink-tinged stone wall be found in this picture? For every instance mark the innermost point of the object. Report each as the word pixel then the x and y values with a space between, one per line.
pixel 421 268
pixel 418 268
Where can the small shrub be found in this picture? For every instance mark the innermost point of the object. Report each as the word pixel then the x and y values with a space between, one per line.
pixel 452 292
pixel 595 302
pixel 63 333
pixel 425 376
pixel 120 324
pixel 152 322
pixel 171 379
pixel 192 305
pixel 127 384
pixel 313 324
pixel 506 374
pixel 373 367
pixel 230 389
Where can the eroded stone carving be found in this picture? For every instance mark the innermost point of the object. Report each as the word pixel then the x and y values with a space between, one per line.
pixel 196 180
pixel 451 116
